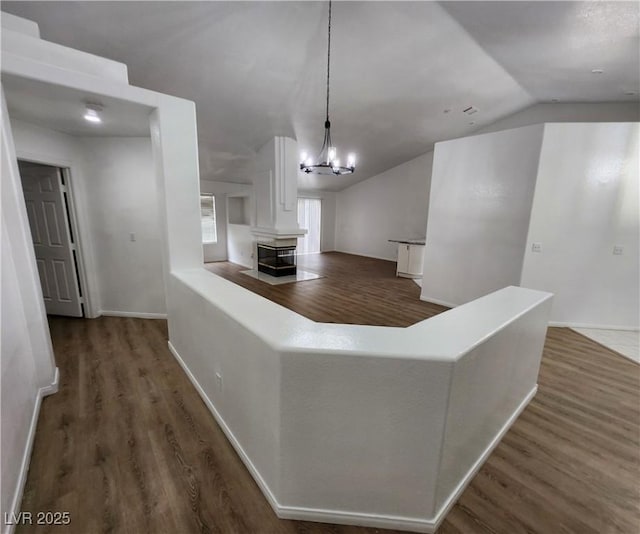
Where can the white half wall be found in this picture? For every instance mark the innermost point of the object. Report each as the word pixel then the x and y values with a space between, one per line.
pixel 221 190
pixel 240 240
pixel 240 245
pixel 311 408
pixel 585 204
pixel 481 194
pixel 391 205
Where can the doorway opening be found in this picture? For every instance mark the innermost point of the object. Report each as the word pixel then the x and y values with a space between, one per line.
pixel 54 235
pixel 310 218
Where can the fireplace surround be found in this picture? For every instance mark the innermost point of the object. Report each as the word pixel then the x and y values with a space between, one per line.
pixel 277 260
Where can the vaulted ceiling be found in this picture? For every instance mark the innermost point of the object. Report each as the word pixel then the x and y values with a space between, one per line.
pixel 257 69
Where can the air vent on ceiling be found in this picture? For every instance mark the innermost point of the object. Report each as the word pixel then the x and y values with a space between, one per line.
pixel 470 110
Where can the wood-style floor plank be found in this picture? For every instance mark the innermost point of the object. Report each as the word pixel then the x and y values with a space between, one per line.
pixel 353 290
pixel 127 445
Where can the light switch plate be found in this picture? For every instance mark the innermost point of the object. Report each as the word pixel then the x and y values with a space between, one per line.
pixel 617 250
pixel 536 247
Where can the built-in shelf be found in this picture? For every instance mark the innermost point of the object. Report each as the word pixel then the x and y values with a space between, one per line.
pixel 238 210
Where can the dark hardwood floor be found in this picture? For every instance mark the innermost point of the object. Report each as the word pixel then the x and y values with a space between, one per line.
pixel 354 290
pixel 127 446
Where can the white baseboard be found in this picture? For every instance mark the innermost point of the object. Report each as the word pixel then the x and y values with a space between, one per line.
pixel 365 255
pixel 562 324
pixel 53 387
pixel 137 315
pixel 405 523
pixel 455 494
pixel 26 455
pixel 349 518
pixel 437 301
pixel 264 487
pixel 339 517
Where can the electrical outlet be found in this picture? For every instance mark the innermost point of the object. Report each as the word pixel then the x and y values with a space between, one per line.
pixel 617 250
pixel 219 380
pixel 536 247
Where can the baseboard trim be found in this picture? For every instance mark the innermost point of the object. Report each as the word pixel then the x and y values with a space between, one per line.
pixel 428 526
pixel 262 484
pixel 457 492
pixel 26 456
pixel 563 324
pixel 300 513
pixel 364 255
pixel 136 315
pixel 438 301
pixel 53 387
pixel 337 517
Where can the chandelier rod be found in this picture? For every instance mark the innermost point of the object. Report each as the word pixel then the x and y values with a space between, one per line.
pixel 327 162
pixel 328 59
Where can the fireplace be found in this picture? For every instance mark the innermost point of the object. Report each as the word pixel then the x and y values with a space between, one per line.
pixel 277 260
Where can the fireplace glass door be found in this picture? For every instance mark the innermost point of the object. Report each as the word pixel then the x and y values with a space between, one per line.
pixel 276 261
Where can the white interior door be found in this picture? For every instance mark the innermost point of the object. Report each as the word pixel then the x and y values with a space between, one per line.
pixel 47 212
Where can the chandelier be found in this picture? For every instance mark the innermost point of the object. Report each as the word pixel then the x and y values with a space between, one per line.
pixel 327 161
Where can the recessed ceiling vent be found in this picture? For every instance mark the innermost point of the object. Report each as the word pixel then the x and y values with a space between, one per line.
pixel 470 110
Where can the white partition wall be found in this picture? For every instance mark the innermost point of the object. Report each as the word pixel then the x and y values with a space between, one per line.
pixel 479 207
pixel 552 207
pixel 585 224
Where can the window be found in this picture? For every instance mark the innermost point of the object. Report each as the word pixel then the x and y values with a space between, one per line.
pixel 309 218
pixel 208 217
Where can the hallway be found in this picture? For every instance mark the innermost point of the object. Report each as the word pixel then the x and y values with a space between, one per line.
pixel 127 446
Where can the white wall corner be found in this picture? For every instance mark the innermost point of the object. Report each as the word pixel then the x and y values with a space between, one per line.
pixel 53 387
pixel 16 502
pixel 19 25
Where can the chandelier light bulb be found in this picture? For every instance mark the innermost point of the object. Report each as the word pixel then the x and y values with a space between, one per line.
pixel 309 162
pixel 303 157
pixel 332 153
pixel 351 160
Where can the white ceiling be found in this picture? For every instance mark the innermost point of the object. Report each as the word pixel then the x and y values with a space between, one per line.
pixel 62 109
pixel 256 69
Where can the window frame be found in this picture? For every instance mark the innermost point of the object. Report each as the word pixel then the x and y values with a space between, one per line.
pixel 204 217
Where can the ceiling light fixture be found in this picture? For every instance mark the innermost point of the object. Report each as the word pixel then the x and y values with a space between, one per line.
pixel 92 113
pixel 597 71
pixel 327 161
